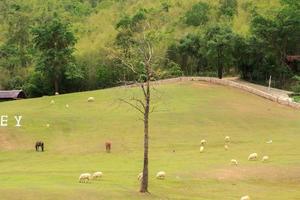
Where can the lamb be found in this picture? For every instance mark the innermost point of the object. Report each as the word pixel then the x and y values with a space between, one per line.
pixel 226 147
pixel 203 142
pixel 245 197
pixel 227 139
pixel 161 175
pixel 201 149
pixel 265 159
pixel 91 99
pixel 234 162
pixel 269 142
pixel 252 156
pixel 84 178
pixel 140 176
pixel 97 175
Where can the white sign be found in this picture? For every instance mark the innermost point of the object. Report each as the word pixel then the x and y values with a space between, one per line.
pixel 5 121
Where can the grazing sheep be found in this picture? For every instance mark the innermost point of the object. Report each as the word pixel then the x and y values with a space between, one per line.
pixel 245 197
pixel 227 139
pixel 84 178
pixel 52 102
pixel 265 159
pixel 56 93
pixel 97 175
pixel 234 162
pixel 252 156
pixel 201 149
pixel 269 142
pixel 91 99
pixel 203 142
pixel 161 175
pixel 226 147
pixel 67 106
pixel 140 176
pixel 47 125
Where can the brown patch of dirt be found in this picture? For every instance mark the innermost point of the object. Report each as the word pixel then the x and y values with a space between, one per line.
pixel 5 143
pixel 270 173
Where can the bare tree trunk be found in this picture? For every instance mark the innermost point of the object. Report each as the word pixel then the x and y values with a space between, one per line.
pixel 144 184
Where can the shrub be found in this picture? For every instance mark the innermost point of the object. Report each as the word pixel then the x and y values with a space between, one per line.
pixel 228 7
pixel 197 15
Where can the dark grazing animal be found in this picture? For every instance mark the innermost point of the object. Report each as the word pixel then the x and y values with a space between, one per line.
pixel 108 146
pixel 39 145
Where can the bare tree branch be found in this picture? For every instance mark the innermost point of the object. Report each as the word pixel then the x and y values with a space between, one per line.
pixel 143 88
pixel 139 101
pixel 132 105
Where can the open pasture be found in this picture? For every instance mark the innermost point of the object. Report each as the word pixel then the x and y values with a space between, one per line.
pixel 185 113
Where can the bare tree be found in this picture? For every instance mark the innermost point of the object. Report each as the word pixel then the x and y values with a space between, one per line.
pixel 141 64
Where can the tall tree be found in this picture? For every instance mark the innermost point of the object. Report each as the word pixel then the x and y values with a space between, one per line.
pixel 55 41
pixel 219 47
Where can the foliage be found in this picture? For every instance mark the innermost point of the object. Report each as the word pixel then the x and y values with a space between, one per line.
pixel 265 33
pixel 219 47
pixel 37 85
pixel 188 55
pixel 228 8
pixel 55 42
pixel 198 15
pixel 296 87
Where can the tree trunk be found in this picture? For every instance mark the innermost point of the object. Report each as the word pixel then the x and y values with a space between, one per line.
pixel 220 66
pixel 144 184
pixel 56 86
pixel 220 72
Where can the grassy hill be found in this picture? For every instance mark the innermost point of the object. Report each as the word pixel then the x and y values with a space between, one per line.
pixel 185 113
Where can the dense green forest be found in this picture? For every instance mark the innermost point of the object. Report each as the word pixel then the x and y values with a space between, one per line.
pixel 49 46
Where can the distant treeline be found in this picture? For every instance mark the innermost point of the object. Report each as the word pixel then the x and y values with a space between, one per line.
pixel 38 55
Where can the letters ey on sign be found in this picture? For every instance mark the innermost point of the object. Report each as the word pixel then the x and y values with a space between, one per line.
pixel 5 120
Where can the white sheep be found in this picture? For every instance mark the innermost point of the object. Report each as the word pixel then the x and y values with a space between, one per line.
pixel 252 156
pixel 56 93
pixel 265 159
pixel 52 102
pixel 234 162
pixel 201 149
pixel 226 147
pixel 67 106
pixel 140 176
pixel 47 125
pixel 91 99
pixel 161 175
pixel 245 197
pixel 203 142
pixel 84 178
pixel 269 142
pixel 97 175
pixel 227 139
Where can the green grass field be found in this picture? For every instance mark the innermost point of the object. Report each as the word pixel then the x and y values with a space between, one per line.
pixel 185 113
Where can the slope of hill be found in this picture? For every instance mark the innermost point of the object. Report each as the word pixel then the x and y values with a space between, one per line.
pixel 185 113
